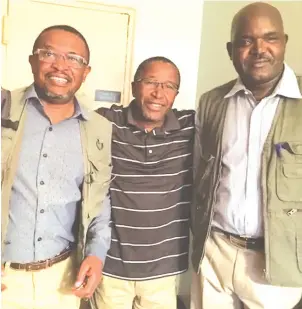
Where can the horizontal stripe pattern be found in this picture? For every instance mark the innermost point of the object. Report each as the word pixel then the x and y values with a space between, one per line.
pixel 150 195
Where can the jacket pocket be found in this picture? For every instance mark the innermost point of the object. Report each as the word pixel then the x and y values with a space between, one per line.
pixel 289 172
pixel 98 181
pixel 100 171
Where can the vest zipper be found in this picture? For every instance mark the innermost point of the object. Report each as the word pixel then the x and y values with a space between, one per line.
pixel 292 211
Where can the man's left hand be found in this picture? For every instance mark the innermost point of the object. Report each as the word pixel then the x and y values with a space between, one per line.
pixel 89 277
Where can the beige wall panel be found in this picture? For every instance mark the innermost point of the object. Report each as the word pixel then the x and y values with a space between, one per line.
pixel 110 59
pixel 215 67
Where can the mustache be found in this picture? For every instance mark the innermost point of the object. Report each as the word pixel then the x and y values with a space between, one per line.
pixel 261 57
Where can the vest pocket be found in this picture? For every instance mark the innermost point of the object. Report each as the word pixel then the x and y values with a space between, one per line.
pixel 289 182
pixel 289 172
pixel 98 181
pixel 99 172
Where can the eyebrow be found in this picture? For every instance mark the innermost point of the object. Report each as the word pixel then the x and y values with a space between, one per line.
pixel 154 77
pixel 272 33
pixel 47 46
pixel 247 36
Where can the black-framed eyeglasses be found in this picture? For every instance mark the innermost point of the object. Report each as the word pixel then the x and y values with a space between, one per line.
pixel 153 84
pixel 71 60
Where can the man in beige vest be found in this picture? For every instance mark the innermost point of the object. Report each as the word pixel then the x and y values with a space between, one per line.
pixel 246 214
pixel 56 168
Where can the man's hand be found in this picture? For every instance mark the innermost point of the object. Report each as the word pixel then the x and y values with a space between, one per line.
pixel 3 286
pixel 89 277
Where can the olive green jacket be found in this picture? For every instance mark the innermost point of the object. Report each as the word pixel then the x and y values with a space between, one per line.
pixel 96 145
pixel 281 182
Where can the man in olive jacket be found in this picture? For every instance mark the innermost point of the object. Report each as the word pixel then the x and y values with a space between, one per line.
pixel 55 173
pixel 246 214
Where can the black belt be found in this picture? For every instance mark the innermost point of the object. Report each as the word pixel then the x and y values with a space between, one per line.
pixel 242 242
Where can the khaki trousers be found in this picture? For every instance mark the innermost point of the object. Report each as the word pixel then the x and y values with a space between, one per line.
pixel 48 288
pixel 115 293
pixel 233 278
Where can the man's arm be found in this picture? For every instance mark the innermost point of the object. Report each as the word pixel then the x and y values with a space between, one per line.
pixel 109 113
pixel 97 245
pixel 99 233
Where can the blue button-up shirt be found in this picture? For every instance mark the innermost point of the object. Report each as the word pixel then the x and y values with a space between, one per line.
pixel 47 190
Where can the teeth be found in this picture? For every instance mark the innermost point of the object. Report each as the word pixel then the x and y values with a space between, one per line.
pixel 59 79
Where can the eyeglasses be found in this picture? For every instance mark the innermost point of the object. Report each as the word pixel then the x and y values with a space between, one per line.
pixel 71 60
pixel 153 84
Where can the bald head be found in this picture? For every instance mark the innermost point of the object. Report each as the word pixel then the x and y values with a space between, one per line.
pixel 256 10
pixel 257 46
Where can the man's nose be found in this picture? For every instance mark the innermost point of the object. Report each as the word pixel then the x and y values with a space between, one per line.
pixel 259 47
pixel 60 63
pixel 158 90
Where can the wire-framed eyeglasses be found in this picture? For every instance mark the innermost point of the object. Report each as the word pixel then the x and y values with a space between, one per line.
pixel 153 84
pixel 71 60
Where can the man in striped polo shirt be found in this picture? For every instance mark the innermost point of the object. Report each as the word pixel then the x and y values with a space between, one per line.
pixel 150 193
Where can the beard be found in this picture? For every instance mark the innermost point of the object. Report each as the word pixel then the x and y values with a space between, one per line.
pixel 54 98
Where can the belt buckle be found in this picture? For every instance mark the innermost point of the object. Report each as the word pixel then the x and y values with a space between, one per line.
pixel 248 240
pixel 239 242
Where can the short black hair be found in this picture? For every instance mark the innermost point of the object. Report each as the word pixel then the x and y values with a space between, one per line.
pixel 64 28
pixel 146 62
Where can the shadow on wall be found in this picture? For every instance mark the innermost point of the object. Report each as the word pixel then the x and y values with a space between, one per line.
pixel 299 306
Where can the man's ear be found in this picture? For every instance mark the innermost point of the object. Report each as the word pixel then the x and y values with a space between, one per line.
pixel 229 47
pixel 31 61
pixel 86 72
pixel 133 88
pixel 286 38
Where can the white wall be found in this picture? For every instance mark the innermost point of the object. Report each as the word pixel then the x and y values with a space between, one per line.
pixel 170 28
pixel 215 68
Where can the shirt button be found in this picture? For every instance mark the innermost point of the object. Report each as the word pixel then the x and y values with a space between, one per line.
pixel 42 211
pixel 150 151
pixel 42 182
pixel 45 155
pixel 50 129
pixel 40 238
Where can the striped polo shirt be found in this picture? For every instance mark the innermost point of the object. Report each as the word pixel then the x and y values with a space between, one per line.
pixel 150 195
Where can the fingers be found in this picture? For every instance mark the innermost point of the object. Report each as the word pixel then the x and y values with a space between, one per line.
pixel 88 277
pixel 3 286
pixel 87 290
pixel 83 272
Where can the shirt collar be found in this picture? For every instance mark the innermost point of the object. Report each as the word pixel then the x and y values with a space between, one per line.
pixel 171 121
pixel 287 86
pixel 80 110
